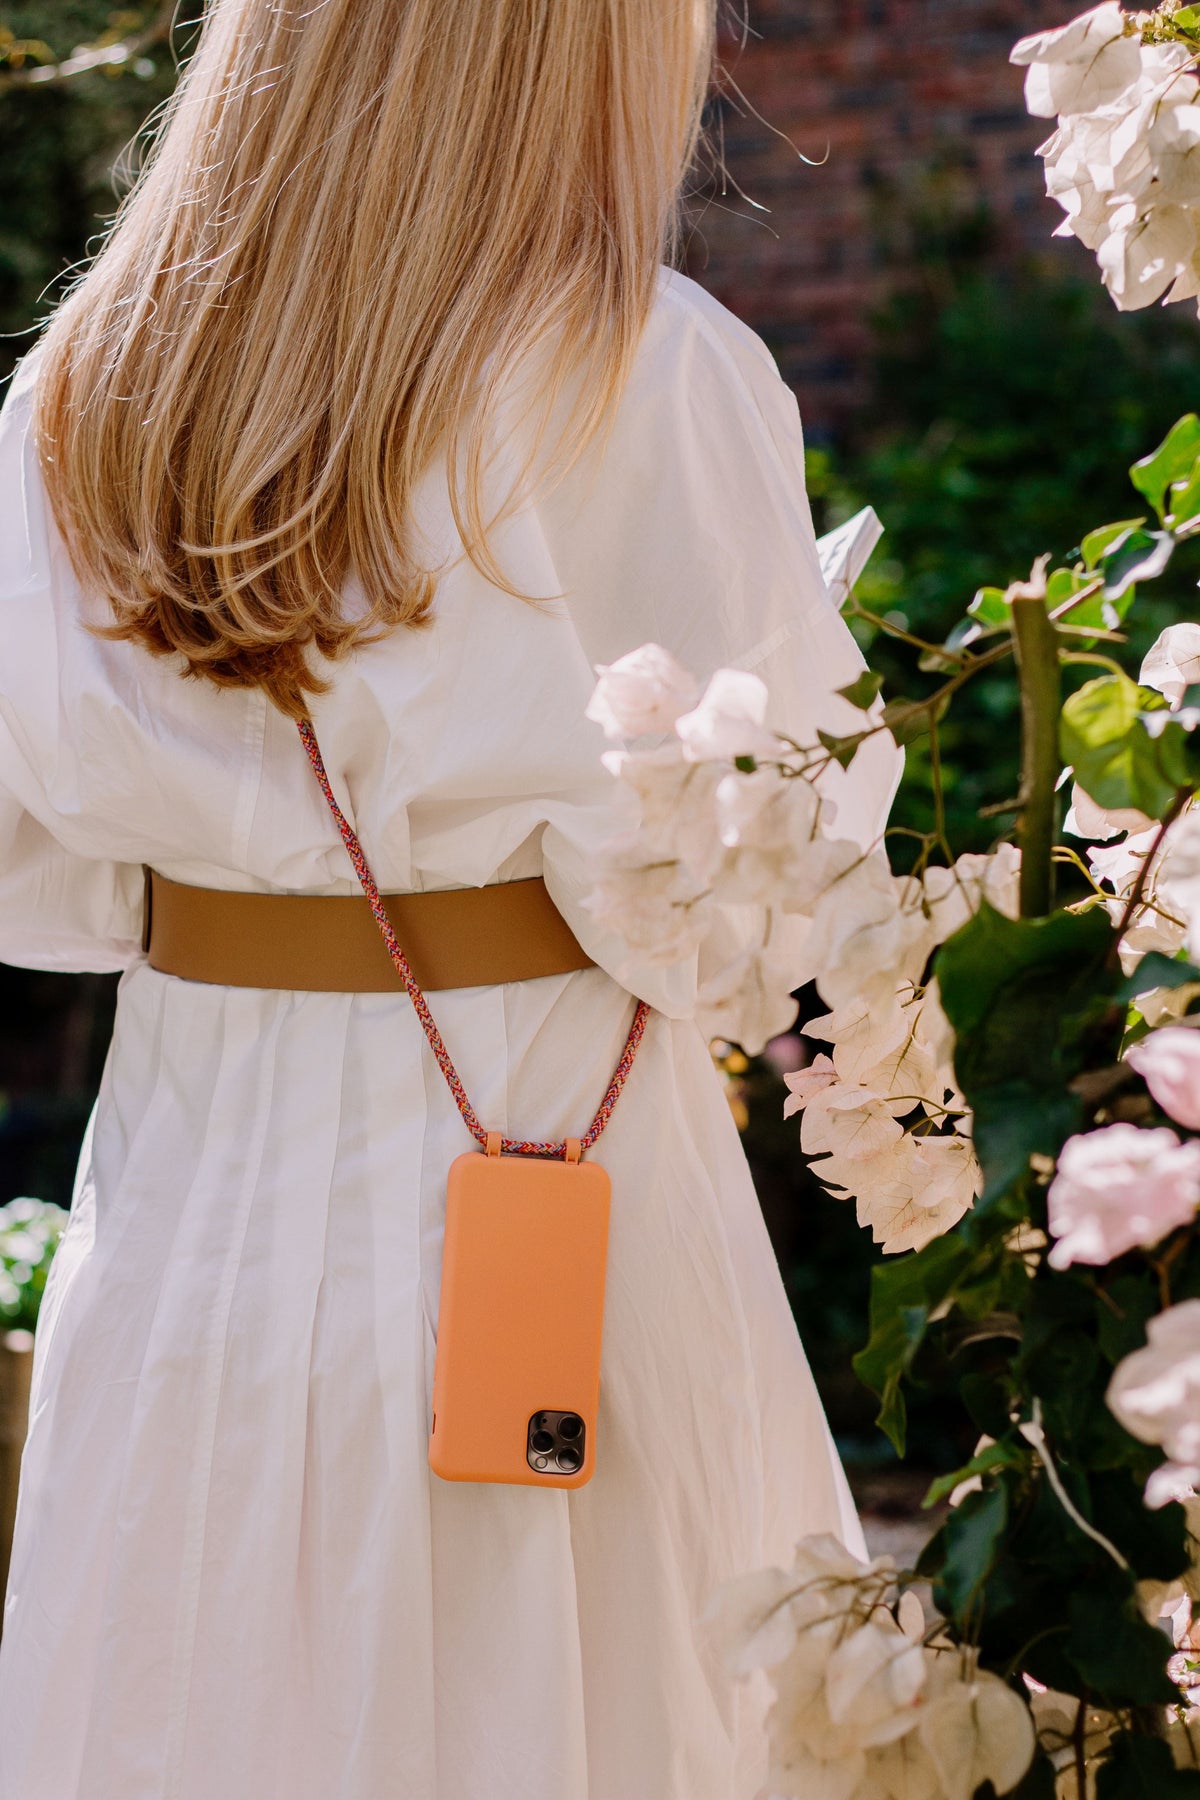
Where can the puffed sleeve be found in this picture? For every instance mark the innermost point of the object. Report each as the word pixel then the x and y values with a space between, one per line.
pixel 693 530
pixel 60 906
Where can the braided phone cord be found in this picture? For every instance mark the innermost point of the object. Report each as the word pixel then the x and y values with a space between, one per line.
pixel 508 1146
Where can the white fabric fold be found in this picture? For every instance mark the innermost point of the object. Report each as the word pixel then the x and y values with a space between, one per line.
pixel 234 1574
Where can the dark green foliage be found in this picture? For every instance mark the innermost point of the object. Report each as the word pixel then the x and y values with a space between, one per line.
pixel 1008 417
pixel 59 145
pixel 1027 998
pixel 1141 1768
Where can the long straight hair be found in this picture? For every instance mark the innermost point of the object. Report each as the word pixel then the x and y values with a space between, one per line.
pixel 357 219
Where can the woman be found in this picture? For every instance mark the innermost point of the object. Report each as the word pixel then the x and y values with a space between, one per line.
pixel 379 407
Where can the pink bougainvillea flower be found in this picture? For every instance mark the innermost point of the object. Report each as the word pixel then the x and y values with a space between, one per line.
pixel 1119 1188
pixel 1168 1061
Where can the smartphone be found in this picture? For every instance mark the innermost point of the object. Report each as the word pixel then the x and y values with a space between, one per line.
pixel 516 1378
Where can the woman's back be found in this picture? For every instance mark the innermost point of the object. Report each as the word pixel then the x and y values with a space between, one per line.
pixel 454 745
pixel 234 1573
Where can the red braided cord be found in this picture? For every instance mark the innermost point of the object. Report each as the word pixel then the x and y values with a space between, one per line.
pixel 510 1146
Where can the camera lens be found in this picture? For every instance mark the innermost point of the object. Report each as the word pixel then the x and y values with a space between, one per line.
pixel 570 1425
pixel 541 1462
pixel 542 1441
pixel 569 1458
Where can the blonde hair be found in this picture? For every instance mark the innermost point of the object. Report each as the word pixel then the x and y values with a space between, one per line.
pixel 357 219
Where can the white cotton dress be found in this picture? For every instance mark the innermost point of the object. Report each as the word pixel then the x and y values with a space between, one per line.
pixel 235 1577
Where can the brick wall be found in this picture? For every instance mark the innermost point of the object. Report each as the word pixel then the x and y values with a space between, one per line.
pixel 919 115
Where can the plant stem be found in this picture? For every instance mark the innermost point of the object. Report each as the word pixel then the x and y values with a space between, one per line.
pixel 116 54
pixel 1182 796
pixel 1036 643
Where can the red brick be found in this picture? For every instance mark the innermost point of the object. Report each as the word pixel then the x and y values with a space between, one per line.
pixel 895 91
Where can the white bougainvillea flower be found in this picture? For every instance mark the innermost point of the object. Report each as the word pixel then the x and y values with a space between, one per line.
pixel 861 1034
pixel 1080 66
pixel 1172 138
pixel 862 938
pixel 1087 820
pixel 824 1585
pixel 912 1193
pixel 1163 1005
pixel 766 824
pixel 729 721
pixel 798 1774
pixel 1168 1061
pixel 749 1001
pixel 752 1620
pixel 952 896
pixel 884 1057
pixel 1177 879
pixel 658 909
pixel 975 1731
pixel 803 1084
pixel 826 862
pixel 1073 180
pixel 935 1031
pixel 675 805
pixel 851 1124
pixel 1155 1392
pixel 945 898
pixel 1153 930
pixel 901 1770
pixel 641 693
pixel 1172 663
pixel 1171 1481
pixel 1146 252
pixel 1121 864
pixel 1119 1188
pixel 873 1681
pixel 908 1077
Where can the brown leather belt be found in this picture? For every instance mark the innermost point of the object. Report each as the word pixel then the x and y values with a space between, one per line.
pixel 458 937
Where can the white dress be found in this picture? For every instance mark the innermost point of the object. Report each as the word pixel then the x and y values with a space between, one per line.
pixel 234 1576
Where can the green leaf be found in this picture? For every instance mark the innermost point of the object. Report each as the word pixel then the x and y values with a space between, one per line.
pixel 1143 1768
pixel 995 1456
pixel 1120 1657
pixel 904 1293
pixel 1116 760
pixel 972 1537
pixel 1038 1781
pixel 1132 1300
pixel 1173 461
pixel 1184 501
pixel 990 607
pixel 1187 18
pixel 1014 1120
pixel 842 749
pixel 1154 1541
pixel 1137 556
pixel 864 690
pixel 905 725
pixel 1156 971
pixel 1023 996
pixel 1062 585
pixel 963 635
pixel 1097 542
pixel 987 1399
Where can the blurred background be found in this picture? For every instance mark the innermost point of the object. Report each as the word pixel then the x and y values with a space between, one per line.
pixel 881 221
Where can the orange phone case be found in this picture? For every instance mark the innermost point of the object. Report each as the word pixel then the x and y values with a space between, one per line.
pixel 520 1314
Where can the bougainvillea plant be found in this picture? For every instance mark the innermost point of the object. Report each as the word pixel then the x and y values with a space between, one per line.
pixel 1012 1095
